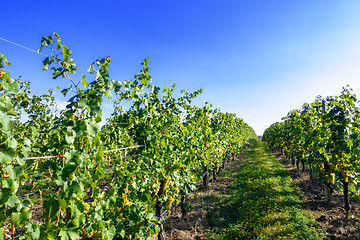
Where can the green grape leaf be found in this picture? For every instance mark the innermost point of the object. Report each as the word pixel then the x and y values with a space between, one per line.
pixel 5 122
pixel 16 218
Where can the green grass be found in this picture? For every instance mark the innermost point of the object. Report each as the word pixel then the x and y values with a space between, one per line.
pixel 261 203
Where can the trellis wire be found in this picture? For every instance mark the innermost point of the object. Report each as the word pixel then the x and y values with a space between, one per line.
pixel 106 151
pixel 47 157
pixel 16 44
pixel 121 149
pixel 337 189
pixel 161 215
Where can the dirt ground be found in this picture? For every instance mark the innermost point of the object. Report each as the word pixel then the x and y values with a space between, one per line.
pixel 195 223
pixel 330 216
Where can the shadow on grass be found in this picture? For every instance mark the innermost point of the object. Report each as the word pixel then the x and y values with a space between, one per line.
pixel 261 203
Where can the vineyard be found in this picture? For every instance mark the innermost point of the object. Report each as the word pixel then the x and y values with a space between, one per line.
pixel 324 135
pixel 116 181
pixel 66 175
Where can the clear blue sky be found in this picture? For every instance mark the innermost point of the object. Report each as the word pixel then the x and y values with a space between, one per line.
pixel 258 59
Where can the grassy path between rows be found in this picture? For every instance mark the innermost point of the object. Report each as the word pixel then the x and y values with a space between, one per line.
pixel 261 203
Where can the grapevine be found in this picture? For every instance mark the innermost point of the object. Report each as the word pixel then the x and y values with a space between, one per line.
pixel 324 135
pixel 89 188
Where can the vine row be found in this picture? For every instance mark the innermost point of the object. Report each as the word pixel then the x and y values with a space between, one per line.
pixel 79 197
pixel 324 135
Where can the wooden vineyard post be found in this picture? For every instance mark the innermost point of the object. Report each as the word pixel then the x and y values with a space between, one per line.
pixel 346 196
pixel 159 207
pixel 328 190
pixel 297 165
pixel 327 193
pixel 327 187
pixel 182 200
pixel 311 172
pixel 206 179
pixel 214 173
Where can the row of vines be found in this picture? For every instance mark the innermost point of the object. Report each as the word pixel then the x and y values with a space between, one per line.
pixel 326 136
pixel 86 188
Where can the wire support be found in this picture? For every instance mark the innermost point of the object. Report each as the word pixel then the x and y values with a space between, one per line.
pixel 106 151
pixel 45 157
pixel 16 44
pixel 205 174
pixel 122 149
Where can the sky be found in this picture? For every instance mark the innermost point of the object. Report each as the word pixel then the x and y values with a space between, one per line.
pixel 258 59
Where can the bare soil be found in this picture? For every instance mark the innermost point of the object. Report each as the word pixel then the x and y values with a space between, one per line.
pixel 195 223
pixel 330 216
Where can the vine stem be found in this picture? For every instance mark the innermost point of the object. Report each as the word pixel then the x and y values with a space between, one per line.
pixel 58 217
pixel 2 172
pixel 63 159
pixel 12 231
pixel 50 173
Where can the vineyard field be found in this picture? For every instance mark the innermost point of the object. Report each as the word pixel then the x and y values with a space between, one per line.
pixel 180 120
pixel 66 175
pixel 324 136
pixel 62 176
